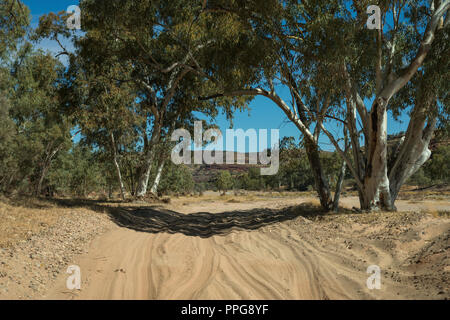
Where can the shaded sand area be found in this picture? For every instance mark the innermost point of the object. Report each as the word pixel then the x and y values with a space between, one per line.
pixel 267 247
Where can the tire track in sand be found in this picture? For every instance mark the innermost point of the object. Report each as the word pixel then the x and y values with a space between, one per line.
pixel 241 265
pixel 274 261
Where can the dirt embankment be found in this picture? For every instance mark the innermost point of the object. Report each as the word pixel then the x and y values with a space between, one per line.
pixel 39 243
pixel 267 248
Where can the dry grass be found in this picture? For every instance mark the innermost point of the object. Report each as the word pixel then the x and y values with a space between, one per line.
pixel 416 197
pixel 439 214
pixel 21 218
pixel 443 214
pixel 209 196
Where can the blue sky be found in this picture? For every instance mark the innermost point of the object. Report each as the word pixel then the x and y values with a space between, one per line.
pixel 263 113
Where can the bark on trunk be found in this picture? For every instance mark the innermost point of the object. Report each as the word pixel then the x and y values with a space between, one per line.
pixel 322 187
pixel 50 154
pixel 131 180
pixel 376 192
pixel 414 151
pixel 42 176
pixel 381 190
pixel 148 162
pixel 145 176
pixel 158 177
pixel 117 166
pixel 312 150
pixel 341 178
pixel 339 185
pixel 119 177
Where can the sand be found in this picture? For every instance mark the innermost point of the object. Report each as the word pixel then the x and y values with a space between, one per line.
pixel 267 250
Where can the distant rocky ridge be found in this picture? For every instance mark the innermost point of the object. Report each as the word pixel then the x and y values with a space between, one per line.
pixel 206 173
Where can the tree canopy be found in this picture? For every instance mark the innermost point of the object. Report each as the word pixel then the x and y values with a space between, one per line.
pixel 141 69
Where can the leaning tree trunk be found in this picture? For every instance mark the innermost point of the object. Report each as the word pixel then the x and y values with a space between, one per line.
pixel 312 150
pixel 42 176
pixel 119 177
pixel 50 154
pixel 117 166
pixel 158 177
pixel 414 151
pixel 148 163
pixel 322 187
pixel 340 183
pixel 342 172
pixel 131 180
pixel 300 120
pixel 145 175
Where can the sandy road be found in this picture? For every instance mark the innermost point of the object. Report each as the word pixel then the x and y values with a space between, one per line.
pixel 126 264
pixel 273 261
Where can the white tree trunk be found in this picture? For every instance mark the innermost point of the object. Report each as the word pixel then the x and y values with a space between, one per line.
pixel 414 151
pixel 117 166
pixel 339 184
pixel 50 154
pixel 376 191
pixel 145 176
pixel 341 178
pixel 148 163
pixel 381 191
pixel 119 177
pixel 158 177
pixel 416 157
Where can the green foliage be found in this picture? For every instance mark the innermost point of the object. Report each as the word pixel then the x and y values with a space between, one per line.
pixel 132 80
pixel 420 179
pixel 251 180
pixel 32 127
pixel 177 180
pixel 438 167
pixel 78 172
pixel 294 173
pixel 200 188
pixel 8 162
pixel 14 21
pixel 224 181
pixel 435 171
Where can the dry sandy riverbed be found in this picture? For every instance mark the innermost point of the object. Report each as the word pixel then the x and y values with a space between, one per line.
pixel 266 247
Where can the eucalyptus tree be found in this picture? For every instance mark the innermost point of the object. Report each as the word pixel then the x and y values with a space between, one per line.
pixel 104 109
pixel 183 118
pixel 334 65
pixel 30 85
pixel 14 22
pixel 34 126
pixel 42 129
pixel 292 38
pixel 401 67
pixel 171 49
pixel 13 26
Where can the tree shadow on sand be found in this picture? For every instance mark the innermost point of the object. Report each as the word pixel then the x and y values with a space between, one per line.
pixel 204 224
pixel 155 219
